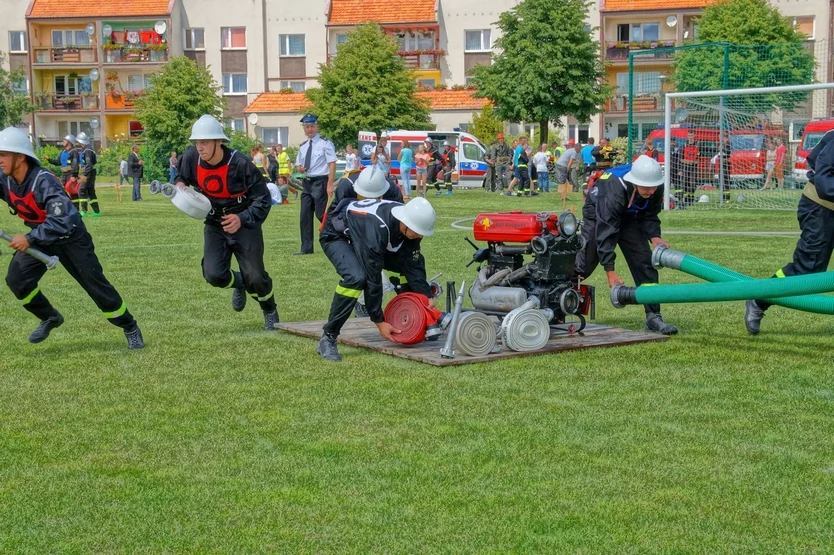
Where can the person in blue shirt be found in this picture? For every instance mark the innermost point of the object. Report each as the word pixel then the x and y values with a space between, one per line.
pixel 587 154
pixel 520 147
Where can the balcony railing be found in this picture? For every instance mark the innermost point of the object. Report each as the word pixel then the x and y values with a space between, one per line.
pixel 65 55
pixel 421 61
pixel 651 50
pixel 129 54
pixel 645 103
pixel 121 101
pixel 68 101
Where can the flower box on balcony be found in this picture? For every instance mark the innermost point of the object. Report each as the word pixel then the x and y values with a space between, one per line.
pixel 89 101
pixel 115 102
pixel 158 55
pixel 113 56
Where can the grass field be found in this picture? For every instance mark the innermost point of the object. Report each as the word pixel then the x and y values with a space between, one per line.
pixel 219 437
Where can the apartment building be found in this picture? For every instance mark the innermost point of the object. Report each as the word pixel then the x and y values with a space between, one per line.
pixel 14 41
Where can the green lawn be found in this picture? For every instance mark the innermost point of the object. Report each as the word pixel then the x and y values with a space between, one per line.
pixel 219 437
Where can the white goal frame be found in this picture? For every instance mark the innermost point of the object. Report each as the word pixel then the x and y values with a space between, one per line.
pixel 667 127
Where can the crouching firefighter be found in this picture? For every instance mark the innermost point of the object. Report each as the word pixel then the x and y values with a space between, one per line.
pixel 815 213
pixel 622 209
pixel 37 197
pixel 363 238
pixel 240 202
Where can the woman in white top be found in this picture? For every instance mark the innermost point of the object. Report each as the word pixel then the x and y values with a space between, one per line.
pixel 770 163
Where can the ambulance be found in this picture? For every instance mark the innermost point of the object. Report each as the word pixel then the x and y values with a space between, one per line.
pixel 470 169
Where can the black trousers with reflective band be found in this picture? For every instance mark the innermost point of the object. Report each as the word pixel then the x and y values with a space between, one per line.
pixel 632 242
pixel 87 192
pixel 313 201
pixel 77 255
pixel 247 246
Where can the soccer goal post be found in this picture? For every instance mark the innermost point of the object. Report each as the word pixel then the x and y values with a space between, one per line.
pixel 741 148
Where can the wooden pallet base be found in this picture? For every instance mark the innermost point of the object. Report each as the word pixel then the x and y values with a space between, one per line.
pixel 361 332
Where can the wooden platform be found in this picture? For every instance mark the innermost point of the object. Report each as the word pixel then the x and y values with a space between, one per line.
pixel 361 332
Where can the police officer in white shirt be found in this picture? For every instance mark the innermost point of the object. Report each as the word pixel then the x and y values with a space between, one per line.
pixel 317 161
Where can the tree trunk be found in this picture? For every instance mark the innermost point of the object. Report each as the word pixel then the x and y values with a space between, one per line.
pixel 543 132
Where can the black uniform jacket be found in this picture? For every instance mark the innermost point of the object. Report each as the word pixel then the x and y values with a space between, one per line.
pixel 821 162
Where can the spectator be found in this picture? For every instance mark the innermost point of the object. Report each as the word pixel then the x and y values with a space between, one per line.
pixel 272 157
pixel 588 156
pixel 351 160
pixel 406 156
pixel 540 162
pixel 518 148
pixel 380 159
pixel 137 169
pixel 421 160
pixel 563 167
pixel 122 178
pixel 383 141
pixel 770 162
pixel 260 161
pixel 648 149
pixel 172 167
pixel 779 168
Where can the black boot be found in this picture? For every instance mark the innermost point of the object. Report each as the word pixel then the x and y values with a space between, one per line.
pixel 753 315
pixel 271 319
pixel 239 299
pixel 655 324
pixel 134 338
pixel 46 326
pixel 360 311
pixel 328 348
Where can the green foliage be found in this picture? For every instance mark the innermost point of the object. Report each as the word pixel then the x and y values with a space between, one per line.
pixel 240 141
pixel 117 148
pixel 179 94
pixel 13 106
pixel 620 144
pixel 764 51
pixel 548 66
pixel 366 86
pixel 485 126
pixel 47 151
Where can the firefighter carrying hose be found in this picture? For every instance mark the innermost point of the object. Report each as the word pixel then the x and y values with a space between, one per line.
pixel 240 203
pixel 35 195
pixel 622 209
pixel 69 161
pixel 361 239
pixel 816 220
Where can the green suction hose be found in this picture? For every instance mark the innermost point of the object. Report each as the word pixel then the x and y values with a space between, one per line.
pixel 663 257
pixel 727 291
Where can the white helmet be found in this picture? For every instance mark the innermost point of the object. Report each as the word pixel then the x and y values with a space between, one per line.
pixel 70 139
pixel 704 198
pixel 645 172
pixel 14 140
pixel 82 139
pixel 207 128
pixel 371 183
pixel 418 215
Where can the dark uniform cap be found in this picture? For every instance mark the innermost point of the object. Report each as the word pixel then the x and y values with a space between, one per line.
pixel 309 118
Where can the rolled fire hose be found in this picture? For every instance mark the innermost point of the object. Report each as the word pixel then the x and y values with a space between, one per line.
pixel 526 328
pixel 410 313
pixel 189 201
pixel 476 334
pixel 728 291
pixel 663 257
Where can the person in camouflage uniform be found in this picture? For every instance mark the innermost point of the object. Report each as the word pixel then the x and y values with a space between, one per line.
pixel 499 158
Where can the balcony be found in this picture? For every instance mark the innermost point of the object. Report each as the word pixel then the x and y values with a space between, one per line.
pixel 421 59
pixel 642 103
pixel 152 53
pixel 65 55
pixel 122 101
pixel 618 51
pixel 67 102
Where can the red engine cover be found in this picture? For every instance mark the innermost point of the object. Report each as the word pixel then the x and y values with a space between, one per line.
pixel 512 227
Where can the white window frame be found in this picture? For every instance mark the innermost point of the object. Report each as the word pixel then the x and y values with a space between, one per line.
pixel 484 48
pixel 813 34
pixel 640 25
pixel 231 91
pixel 24 91
pixel 189 33
pixel 289 85
pixel 284 43
pixel 22 36
pixel 427 83
pixel 228 46
pixel 282 134
pixel 69 83
pixel 73 127
pixel 236 124
pixel 146 81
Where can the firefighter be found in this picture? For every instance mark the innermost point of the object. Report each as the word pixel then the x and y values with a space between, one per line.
pixel 69 161
pixel 604 154
pixel 622 209
pixel 498 158
pixel 523 167
pixel 434 165
pixel 240 202
pixel 449 165
pixel 379 236
pixel 87 191
pixel 316 159
pixel 56 228
pixel 690 154
pixel 816 221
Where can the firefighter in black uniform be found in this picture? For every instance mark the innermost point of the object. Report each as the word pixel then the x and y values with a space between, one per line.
pixel 316 159
pixel 604 154
pixel 622 209
pixel 362 239
pixel 38 198
pixel 87 191
pixel 240 203
pixel 816 220
pixel 690 154
pixel 69 161
pixel 449 165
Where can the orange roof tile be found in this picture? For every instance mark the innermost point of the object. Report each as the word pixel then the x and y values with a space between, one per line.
pixel 453 100
pixel 644 5
pixel 278 102
pixel 350 12
pixel 97 8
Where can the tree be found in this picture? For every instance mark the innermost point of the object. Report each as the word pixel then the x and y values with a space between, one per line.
pixel 13 105
pixel 179 94
pixel 548 66
pixel 764 50
pixel 485 126
pixel 366 86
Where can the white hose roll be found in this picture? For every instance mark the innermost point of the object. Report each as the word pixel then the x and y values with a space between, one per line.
pixel 525 330
pixel 476 334
pixel 191 203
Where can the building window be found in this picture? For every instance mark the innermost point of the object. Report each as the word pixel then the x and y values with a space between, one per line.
pixel 21 86
pixel 70 38
pixel 292 45
pixel 194 39
pixel 232 37
pixel 234 83
pixel 646 82
pixel 469 81
pixel 235 124
pixel 17 41
pixel 296 86
pixel 426 83
pixel 138 82
pixel 477 41
pixel 74 127
pixel 471 151
pixel 804 25
pixel 65 85
pixel 275 135
pixel 415 41
pixel 638 32
pixel 134 128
